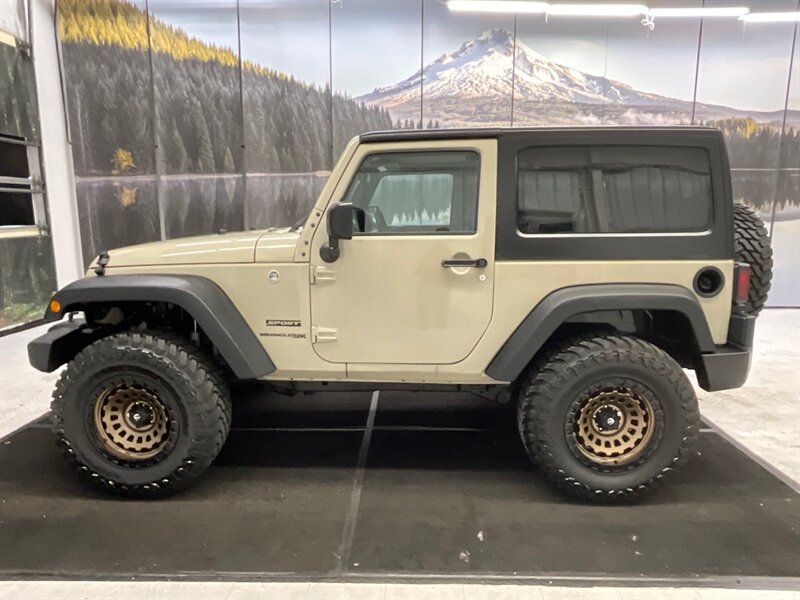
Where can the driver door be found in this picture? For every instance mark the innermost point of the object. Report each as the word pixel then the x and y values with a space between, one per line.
pixel 415 283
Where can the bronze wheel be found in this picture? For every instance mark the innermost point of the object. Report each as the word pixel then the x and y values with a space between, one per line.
pixel 141 414
pixel 613 426
pixel 607 417
pixel 131 422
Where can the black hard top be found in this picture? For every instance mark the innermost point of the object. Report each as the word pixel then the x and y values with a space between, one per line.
pixel 411 135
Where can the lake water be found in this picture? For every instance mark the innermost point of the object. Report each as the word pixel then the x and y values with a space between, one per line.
pixel 785 289
pixel 122 211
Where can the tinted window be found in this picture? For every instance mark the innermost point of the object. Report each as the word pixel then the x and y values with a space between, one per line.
pixel 613 189
pixel 16 193
pixel 416 192
pixel 16 209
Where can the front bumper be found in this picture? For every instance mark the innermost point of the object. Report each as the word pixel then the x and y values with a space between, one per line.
pixel 727 367
pixel 60 343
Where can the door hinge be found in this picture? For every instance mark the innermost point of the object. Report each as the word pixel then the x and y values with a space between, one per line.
pixel 322 274
pixel 324 334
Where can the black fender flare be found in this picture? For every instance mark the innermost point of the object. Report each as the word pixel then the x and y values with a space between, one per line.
pixel 562 304
pixel 200 297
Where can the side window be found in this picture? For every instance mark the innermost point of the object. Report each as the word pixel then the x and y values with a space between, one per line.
pixel 613 189
pixel 416 192
pixel 21 203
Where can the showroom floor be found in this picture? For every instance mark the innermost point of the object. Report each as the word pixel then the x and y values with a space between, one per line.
pixel 385 488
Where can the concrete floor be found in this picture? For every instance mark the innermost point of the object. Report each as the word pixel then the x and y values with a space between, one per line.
pixel 24 391
pixel 764 415
pixel 44 590
pixel 763 418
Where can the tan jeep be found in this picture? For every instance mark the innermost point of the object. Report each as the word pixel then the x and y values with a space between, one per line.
pixel 575 270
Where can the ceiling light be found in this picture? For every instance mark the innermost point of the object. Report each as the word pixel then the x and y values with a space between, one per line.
pixel 597 10
pixel 771 17
pixel 717 11
pixel 497 6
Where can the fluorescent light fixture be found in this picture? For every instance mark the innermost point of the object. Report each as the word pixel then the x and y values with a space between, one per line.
pixel 597 10
pixel 715 11
pixel 497 6
pixel 770 17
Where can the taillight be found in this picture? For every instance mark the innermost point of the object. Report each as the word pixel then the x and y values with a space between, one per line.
pixel 742 291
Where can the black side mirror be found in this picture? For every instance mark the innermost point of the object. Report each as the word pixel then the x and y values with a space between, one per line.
pixel 340 227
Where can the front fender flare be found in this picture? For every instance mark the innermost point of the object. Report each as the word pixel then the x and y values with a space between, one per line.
pixel 557 307
pixel 200 297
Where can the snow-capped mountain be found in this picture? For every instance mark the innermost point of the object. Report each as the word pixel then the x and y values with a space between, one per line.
pixel 472 86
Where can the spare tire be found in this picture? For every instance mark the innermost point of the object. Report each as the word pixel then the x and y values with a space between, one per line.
pixel 752 246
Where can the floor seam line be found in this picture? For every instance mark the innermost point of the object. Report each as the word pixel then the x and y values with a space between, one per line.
pixel 348 531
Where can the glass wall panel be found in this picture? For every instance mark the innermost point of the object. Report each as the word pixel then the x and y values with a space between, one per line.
pixel 116 212
pixel 287 106
pixel 281 200
pixel 109 102
pixel 561 62
pixel 196 76
pixel 468 68
pixel 785 289
pixel 198 114
pixel 755 187
pixel 108 88
pixel 202 205
pixel 18 111
pixel 786 222
pixel 27 278
pixel 377 57
pixel 742 90
pixel 741 85
pixel 651 72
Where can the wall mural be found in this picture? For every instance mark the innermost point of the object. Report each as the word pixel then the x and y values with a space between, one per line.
pixel 174 135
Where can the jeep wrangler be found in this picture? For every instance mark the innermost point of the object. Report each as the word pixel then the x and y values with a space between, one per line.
pixel 577 271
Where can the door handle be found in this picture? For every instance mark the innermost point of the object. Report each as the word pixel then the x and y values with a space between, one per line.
pixel 478 263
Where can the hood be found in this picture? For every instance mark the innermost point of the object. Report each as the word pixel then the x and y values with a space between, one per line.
pixel 237 247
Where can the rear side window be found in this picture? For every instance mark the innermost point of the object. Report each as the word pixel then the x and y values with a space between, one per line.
pixel 613 189
pixel 416 193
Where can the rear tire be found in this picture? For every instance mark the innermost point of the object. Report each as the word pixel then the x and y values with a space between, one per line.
pixel 752 246
pixel 606 417
pixel 141 414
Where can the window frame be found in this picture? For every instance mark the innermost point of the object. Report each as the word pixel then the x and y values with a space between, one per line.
pixel 420 150
pixel 31 186
pixel 603 234
pixel 718 244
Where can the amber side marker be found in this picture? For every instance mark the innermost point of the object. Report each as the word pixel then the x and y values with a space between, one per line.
pixel 55 306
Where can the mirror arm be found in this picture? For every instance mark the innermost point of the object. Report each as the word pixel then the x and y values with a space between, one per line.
pixel 340 227
pixel 330 252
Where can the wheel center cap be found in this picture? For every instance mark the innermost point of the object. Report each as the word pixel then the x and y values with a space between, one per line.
pixel 140 415
pixel 607 419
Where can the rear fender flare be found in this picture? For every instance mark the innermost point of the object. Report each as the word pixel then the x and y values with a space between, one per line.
pixel 561 305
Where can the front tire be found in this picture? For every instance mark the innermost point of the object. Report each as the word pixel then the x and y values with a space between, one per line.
pixel 141 414
pixel 607 417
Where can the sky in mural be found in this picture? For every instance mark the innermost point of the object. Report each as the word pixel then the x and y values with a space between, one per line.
pixel 742 66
